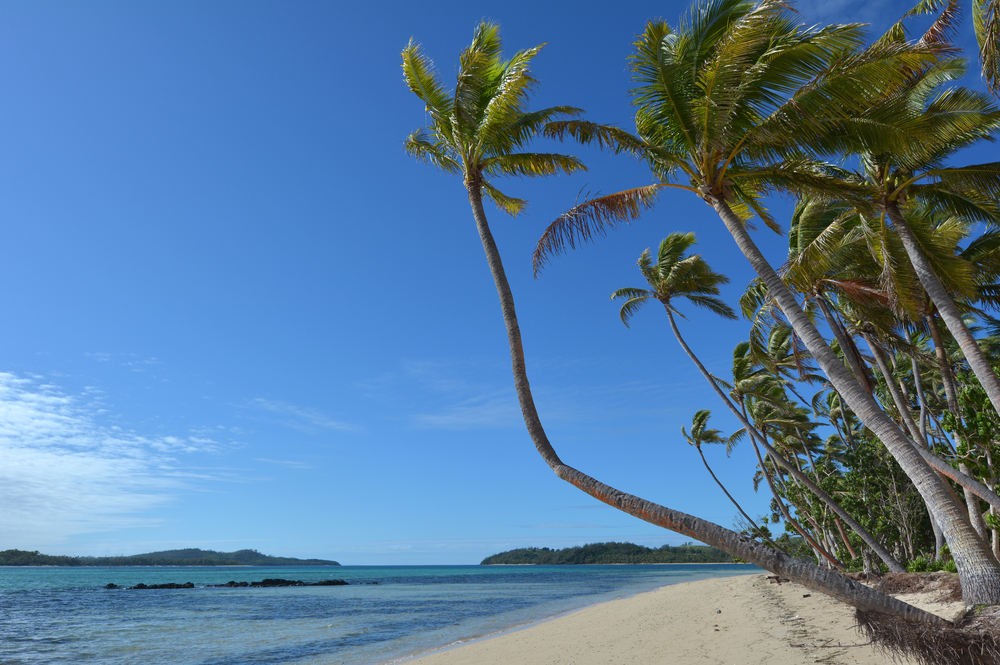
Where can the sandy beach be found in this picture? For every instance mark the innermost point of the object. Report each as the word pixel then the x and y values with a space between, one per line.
pixel 744 620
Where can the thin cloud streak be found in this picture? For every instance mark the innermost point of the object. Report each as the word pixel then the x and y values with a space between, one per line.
pixel 300 418
pixel 64 473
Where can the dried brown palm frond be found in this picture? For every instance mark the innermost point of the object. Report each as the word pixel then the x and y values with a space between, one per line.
pixel 581 223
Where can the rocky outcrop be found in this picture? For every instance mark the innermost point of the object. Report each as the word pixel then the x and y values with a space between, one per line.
pixel 168 585
pixel 270 582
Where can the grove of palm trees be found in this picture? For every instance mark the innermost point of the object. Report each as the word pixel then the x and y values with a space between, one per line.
pixel 867 385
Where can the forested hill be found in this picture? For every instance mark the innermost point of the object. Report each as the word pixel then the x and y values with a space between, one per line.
pixel 610 553
pixel 187 557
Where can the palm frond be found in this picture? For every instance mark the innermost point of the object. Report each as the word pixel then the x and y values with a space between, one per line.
pixel 982 178
pixel 666 84
pixel 510 205
pixel 509 97
pixel 526 126
pixel 944 27
pixel 531 165
pixel 714 305
pixel 604 136
pixel 580 224
pixel 986 21
pixel 632 305
pixel 420 145
pixel 418 70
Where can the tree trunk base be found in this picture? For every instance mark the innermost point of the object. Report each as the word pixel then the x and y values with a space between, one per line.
pixel 973 642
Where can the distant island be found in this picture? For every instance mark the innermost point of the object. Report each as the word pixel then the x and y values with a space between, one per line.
pixel 610 553
pixel 186 557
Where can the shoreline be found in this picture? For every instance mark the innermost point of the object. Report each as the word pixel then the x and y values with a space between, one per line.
pixel 738 619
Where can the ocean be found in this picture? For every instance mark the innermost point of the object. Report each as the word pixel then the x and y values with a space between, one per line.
pixel 386 614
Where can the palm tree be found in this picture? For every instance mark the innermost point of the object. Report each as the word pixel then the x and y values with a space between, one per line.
pixel 712 106
pixel 472 132
pixel 479 132
pixel 949 121
pixel 676 276
pixel 700 435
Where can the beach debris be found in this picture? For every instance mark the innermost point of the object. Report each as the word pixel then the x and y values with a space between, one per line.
pixel 718 611
pixel 794 618
pixel 777 579
pixel 806 595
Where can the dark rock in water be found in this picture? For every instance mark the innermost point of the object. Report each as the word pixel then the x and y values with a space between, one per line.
pixel 277 582
pixel 270 582
pixel 169 585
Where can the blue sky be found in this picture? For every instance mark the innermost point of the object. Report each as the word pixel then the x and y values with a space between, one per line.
pixel 237 315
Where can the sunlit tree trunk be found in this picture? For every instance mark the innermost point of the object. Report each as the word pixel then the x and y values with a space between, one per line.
pixel 946 307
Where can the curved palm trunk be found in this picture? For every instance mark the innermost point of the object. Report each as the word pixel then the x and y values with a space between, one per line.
pixel 846 346
pixel 907 417
pixel 870 540
pixel 818 549
pixel 951 395
pixel 818 579
pixel 897 397
pixel 735 503
pixel 946 306
pixel 978 571
pixel 918 386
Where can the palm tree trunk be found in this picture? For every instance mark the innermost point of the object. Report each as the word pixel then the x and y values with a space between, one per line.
pixel 735 503
pixel 907 418
pixel 846 347
pixel 945 306
pixel 918 386
pixel 817 548
pixel 870 540
pixel 951 396
pixel 818 579
pixel 897 397
pixel 978 570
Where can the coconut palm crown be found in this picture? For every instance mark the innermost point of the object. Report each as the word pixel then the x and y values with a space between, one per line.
pixel 481 128
pixel 675 275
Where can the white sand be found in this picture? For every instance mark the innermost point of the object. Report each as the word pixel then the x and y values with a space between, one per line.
pixel 744 620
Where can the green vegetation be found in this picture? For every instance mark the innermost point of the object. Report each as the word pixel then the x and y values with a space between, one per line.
pixel 610 553
pixel 186 557
pixel 868 385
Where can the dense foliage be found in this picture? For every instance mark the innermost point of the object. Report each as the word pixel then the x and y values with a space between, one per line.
pixel 610 553
pixel 185 557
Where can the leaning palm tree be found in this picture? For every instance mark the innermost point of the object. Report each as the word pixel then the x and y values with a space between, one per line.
pixel 472 133
pixel 734 101
pixel 479 131
pixel 949 120
pixel 701 434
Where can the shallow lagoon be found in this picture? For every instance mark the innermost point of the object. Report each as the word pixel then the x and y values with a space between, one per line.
pixel 387 613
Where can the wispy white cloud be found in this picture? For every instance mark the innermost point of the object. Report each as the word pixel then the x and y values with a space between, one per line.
pixel 300 418
pixel 64 472
pixel 291 464
pixel 474 393
pixel 475 412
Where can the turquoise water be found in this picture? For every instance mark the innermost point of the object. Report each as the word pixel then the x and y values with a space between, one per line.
pixel 386 614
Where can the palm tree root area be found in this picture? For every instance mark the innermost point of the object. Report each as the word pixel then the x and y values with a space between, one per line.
pixel 973 641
